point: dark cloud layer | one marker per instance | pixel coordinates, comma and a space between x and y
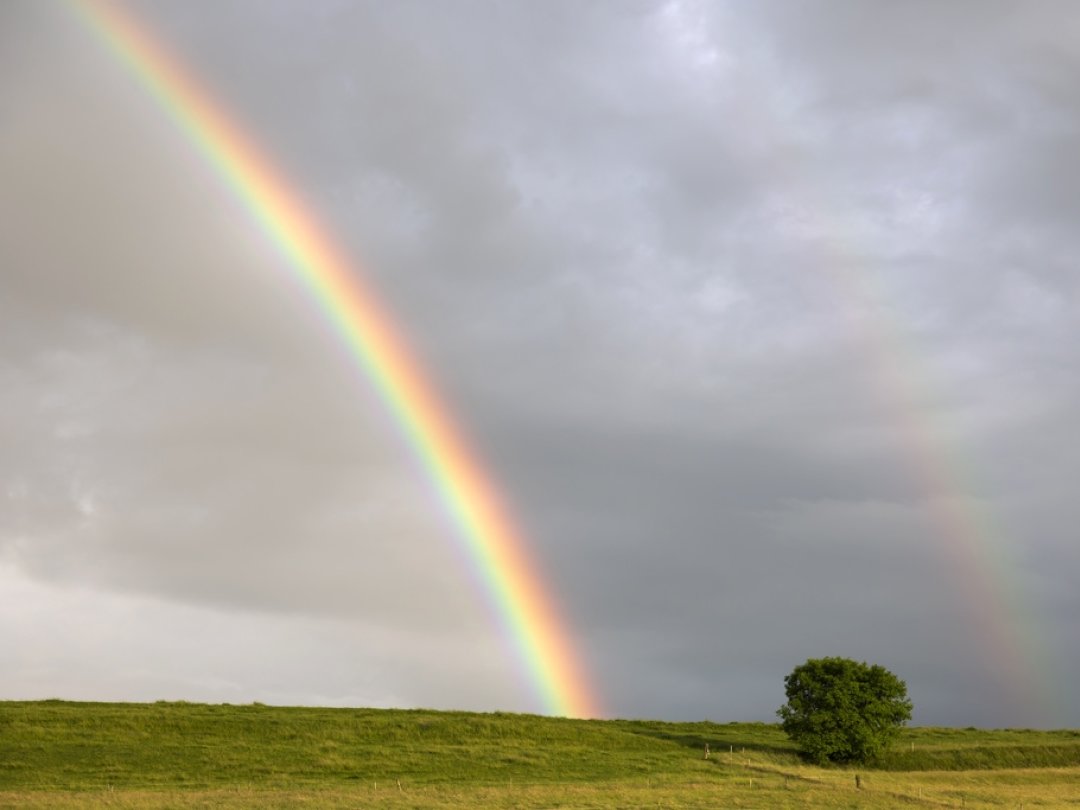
764, 317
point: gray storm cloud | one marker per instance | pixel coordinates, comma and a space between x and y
710, 287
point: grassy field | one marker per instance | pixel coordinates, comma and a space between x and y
61, 754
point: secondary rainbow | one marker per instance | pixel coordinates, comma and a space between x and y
973, 539
494, 545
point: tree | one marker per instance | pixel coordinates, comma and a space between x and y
839, 710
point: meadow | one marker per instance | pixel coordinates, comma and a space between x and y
182, 755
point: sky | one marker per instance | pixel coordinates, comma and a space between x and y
762, 319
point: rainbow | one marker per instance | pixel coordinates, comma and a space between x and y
493, 543
972, 539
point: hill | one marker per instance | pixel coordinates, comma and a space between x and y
64, 754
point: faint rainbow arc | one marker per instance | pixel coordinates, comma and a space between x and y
494, 546
974, 543
974, 547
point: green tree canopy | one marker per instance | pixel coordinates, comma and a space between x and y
839, 710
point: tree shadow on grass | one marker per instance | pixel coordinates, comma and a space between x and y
721, 740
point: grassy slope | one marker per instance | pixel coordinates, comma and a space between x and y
59, 754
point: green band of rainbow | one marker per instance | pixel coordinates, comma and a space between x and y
494, 546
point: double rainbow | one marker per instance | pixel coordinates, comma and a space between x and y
494, 545
971, 538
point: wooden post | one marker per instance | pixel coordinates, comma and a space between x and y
706, 750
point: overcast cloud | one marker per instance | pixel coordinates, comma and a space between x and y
763, 316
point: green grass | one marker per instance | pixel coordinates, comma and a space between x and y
948, 749
62, 754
